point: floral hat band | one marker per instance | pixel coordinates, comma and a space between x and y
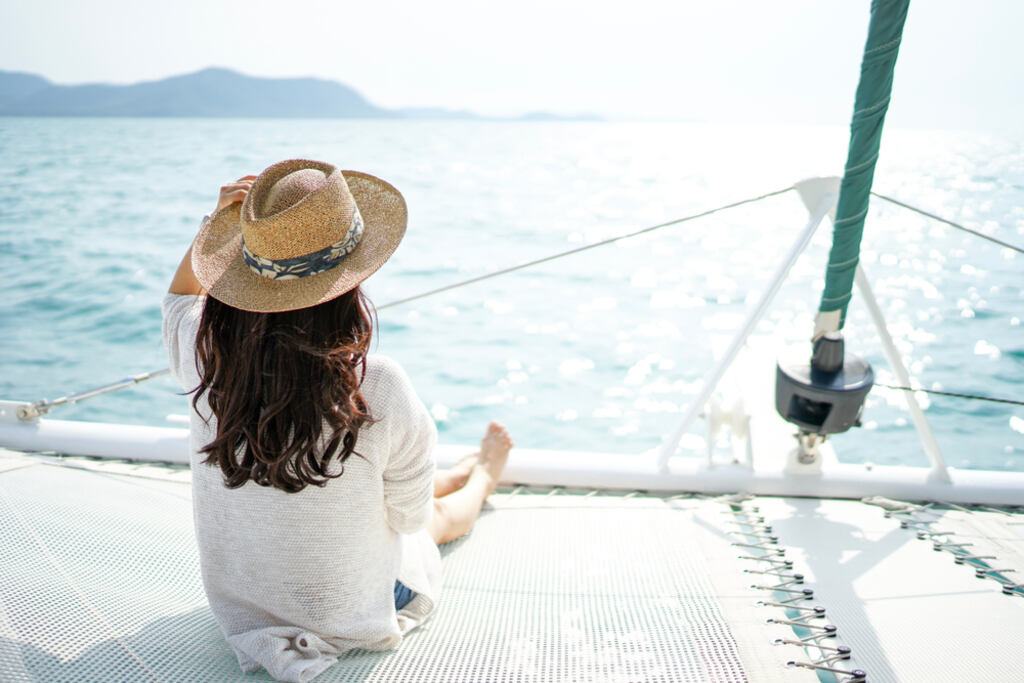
306, 232
307, 264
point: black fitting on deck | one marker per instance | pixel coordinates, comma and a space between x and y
826, 394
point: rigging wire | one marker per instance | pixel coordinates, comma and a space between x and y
976, 233
41, 407
954, 394
948, 222
592, 245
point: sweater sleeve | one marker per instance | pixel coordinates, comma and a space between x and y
409, 471
182, 313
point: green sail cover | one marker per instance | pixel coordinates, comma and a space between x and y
876, 75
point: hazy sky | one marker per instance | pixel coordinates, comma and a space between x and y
961, 64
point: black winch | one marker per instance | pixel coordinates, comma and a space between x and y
824, 396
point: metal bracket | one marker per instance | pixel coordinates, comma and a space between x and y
819, 194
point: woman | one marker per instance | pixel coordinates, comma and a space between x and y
317, 508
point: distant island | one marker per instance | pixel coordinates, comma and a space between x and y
213, 93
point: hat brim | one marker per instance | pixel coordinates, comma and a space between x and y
219, 267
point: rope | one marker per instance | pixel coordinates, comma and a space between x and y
786, 589
976, 397
950, 223
577, 250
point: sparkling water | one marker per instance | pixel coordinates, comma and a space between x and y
598, 351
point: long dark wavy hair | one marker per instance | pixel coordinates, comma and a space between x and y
277, 382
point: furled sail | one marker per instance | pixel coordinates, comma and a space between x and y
872, 101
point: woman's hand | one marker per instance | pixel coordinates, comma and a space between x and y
234, 192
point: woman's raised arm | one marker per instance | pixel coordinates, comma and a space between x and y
184, 281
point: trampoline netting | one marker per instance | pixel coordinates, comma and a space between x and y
101, 583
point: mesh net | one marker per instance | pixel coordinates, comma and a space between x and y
101, 583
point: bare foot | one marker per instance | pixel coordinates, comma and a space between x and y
455, 477
494, 448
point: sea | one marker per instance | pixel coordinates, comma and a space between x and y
598, 351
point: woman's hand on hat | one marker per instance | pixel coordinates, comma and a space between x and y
184, 281
234, 192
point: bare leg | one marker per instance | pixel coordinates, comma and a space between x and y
455, 477
455, 513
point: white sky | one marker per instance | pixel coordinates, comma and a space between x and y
961, 64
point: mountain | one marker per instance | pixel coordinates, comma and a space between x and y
15, 85
211, 92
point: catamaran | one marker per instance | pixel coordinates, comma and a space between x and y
772, 562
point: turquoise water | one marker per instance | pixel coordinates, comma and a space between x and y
599, 351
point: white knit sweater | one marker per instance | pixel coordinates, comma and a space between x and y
295, 579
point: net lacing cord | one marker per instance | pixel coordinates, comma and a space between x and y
920, 518
43, 406
786, 591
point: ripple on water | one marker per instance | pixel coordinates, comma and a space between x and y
617, 339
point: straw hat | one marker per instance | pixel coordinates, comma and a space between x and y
305, 234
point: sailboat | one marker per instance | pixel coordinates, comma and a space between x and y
771, 562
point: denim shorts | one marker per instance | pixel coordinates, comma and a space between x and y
403, 596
